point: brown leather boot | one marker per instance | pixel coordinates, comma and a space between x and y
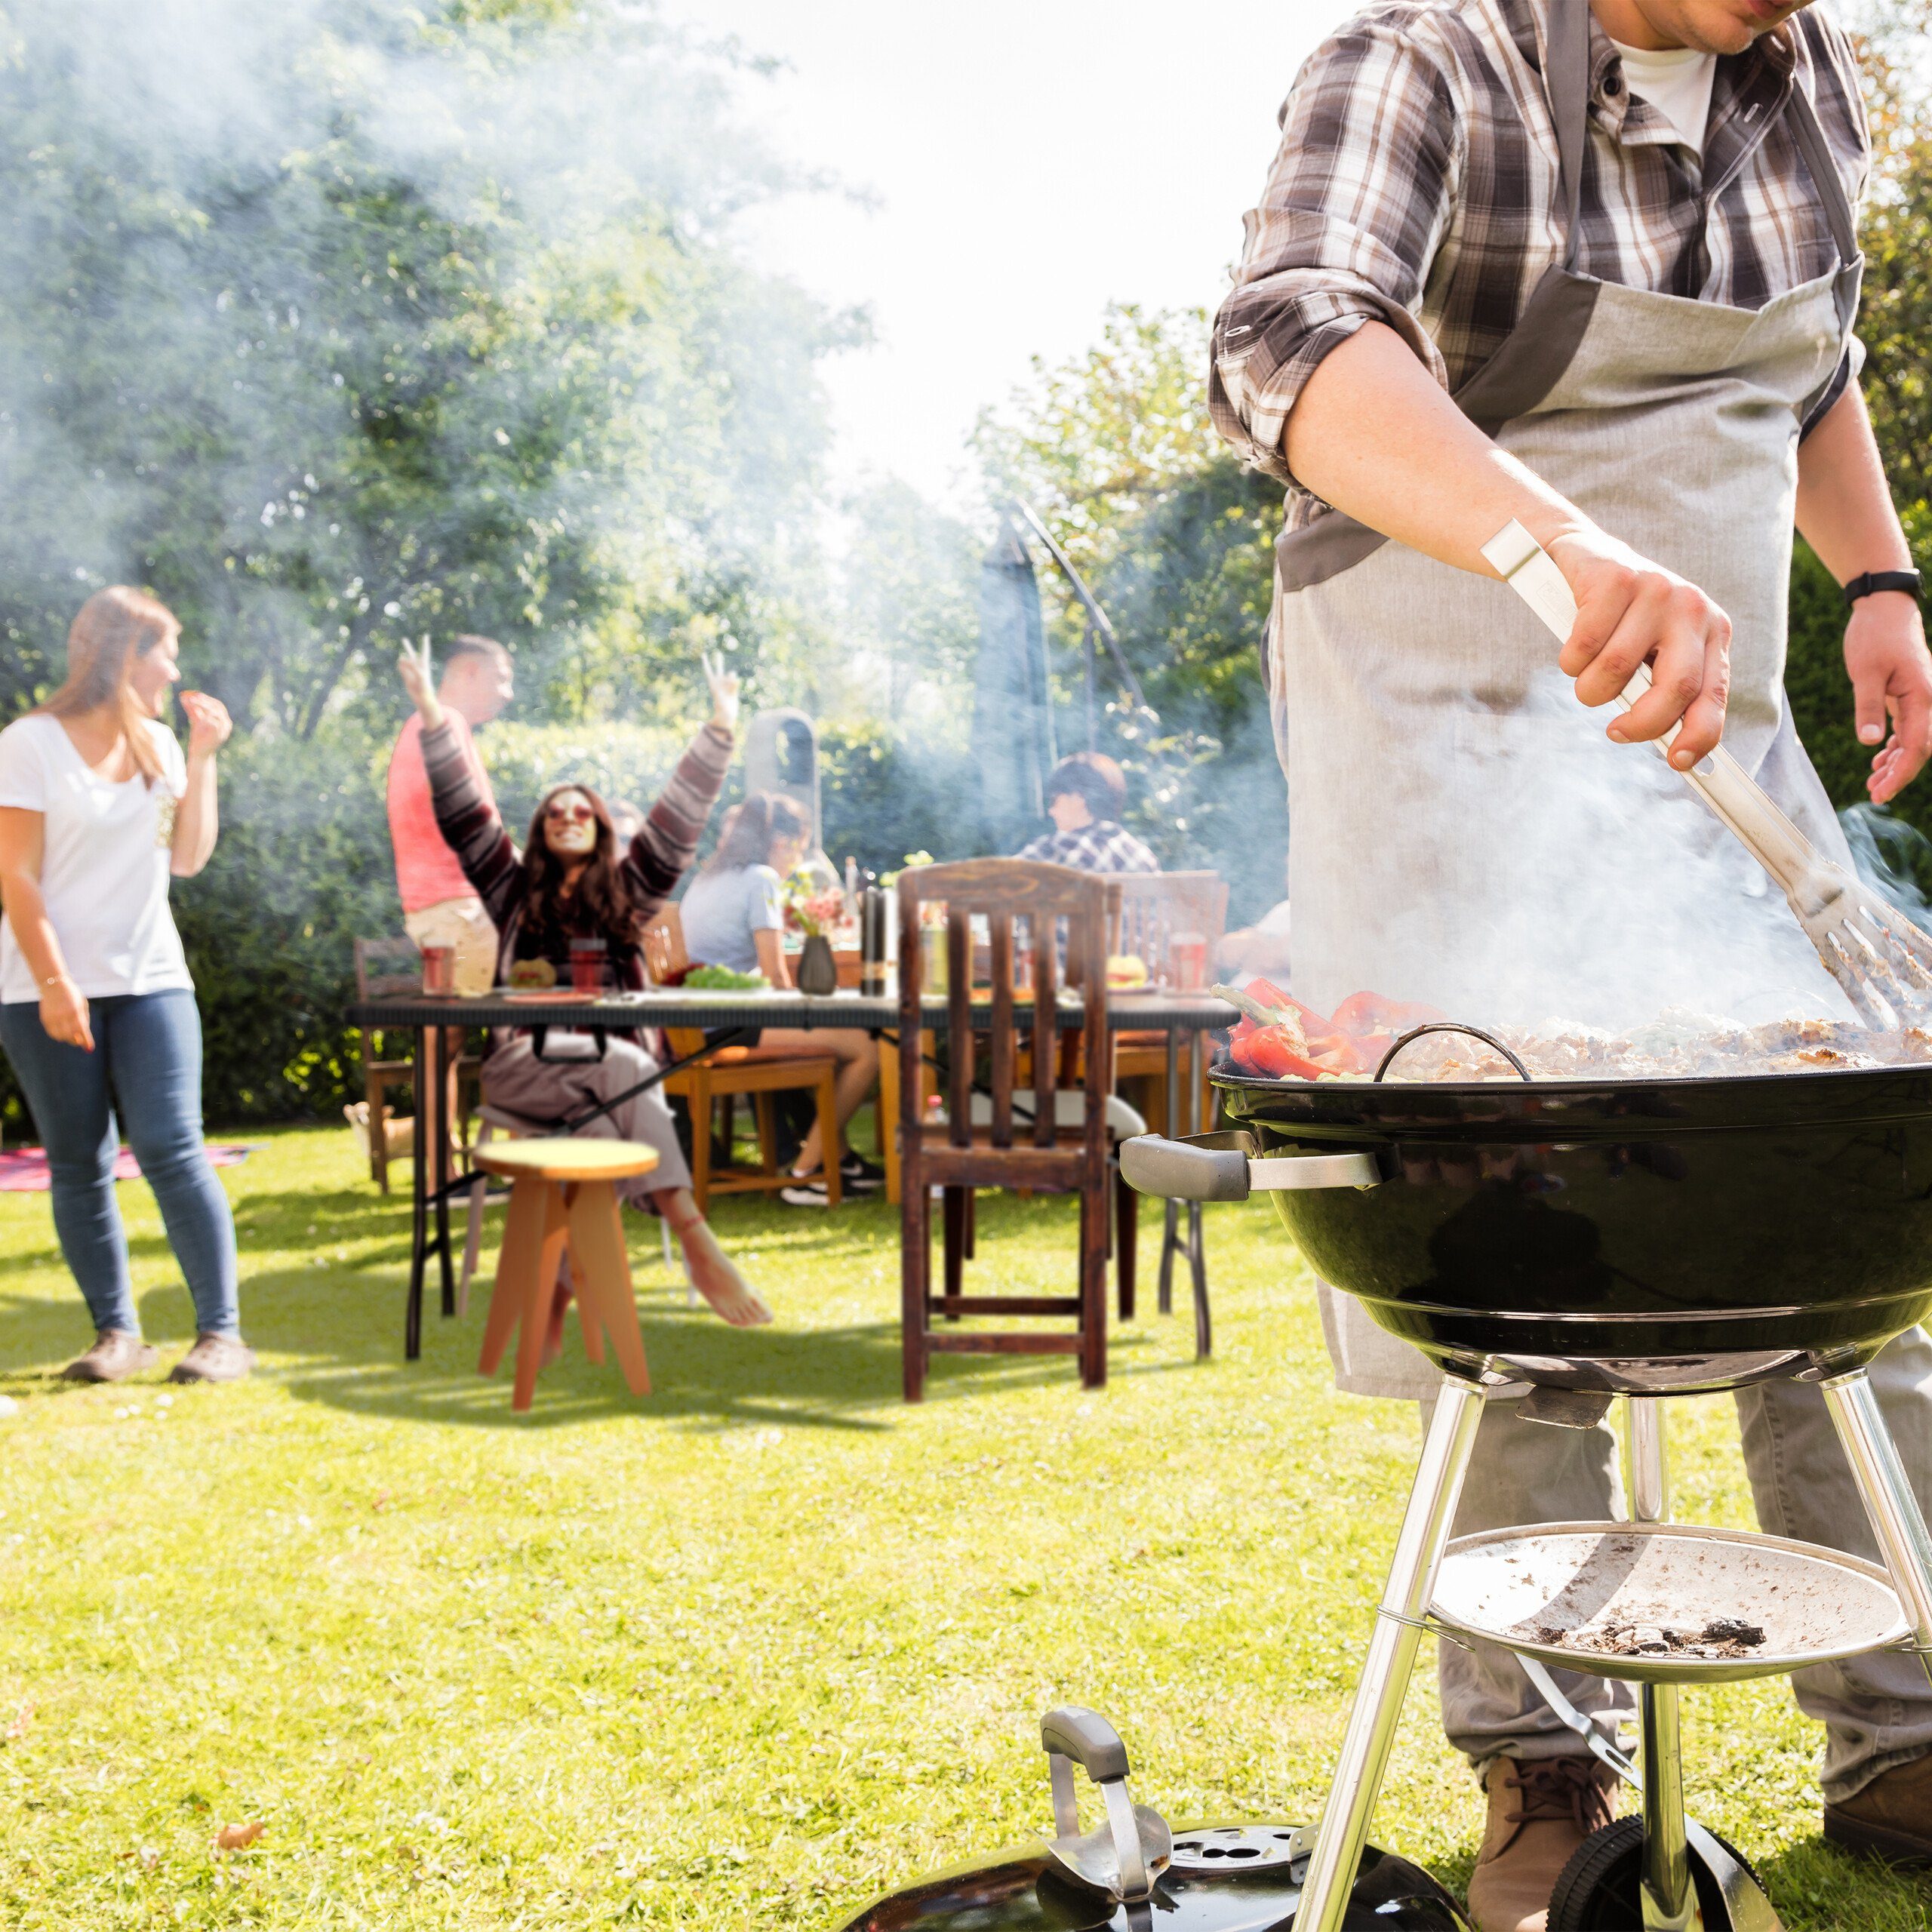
1890, 1818
1539, 1814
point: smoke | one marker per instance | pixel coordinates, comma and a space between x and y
1562, 880
341, 320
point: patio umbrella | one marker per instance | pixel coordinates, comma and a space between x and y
1013, 724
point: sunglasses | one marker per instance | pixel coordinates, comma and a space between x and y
576, 814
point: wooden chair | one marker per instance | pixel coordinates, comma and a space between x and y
564, 1206
730, 1072
1050, 1140
392, 969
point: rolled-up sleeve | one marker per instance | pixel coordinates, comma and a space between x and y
1355, 208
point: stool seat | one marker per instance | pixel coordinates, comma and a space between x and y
567, 1159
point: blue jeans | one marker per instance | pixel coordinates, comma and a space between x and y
146, 1066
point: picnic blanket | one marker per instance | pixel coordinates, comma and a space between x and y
24, 1170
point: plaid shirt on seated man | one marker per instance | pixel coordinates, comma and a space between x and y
1086, 794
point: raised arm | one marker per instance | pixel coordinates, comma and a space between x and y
197, 820
667, 842
466, 815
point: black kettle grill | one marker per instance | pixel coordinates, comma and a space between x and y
1600, 1240
1132, 1873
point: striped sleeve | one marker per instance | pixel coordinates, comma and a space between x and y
1355, 208
667, 841
467, 817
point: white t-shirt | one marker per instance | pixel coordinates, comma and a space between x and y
1677, 81
104, 864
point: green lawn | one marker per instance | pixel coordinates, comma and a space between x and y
737, 1655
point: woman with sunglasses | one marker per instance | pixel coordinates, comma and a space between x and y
572, 882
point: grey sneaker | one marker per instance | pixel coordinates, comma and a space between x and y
116, 1355
214, 1359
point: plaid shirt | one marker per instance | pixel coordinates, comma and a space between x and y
1101, 845
1417, 185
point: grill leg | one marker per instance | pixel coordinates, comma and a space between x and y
1391, 1658
1897, 1519
1669, 1896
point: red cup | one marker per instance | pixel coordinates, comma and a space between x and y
1187, 959
438, 969
587, 957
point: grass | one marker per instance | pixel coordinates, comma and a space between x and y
739, 1655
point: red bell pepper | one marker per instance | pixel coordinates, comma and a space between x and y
1270, 1051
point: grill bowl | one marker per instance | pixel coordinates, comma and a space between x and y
1645, 1236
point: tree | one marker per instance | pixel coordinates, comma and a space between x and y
1115, 450
353, 321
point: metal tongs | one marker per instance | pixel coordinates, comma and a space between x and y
1882, 960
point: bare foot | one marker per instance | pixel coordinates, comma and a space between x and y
716, 1278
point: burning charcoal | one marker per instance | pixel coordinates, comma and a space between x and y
1733, 1630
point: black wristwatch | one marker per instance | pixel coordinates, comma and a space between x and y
1863, 586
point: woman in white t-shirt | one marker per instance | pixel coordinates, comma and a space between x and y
98, 809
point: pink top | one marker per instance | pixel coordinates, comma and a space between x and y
427, 872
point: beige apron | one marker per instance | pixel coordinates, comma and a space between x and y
1460, 831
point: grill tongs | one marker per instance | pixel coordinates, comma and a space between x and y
1882, 960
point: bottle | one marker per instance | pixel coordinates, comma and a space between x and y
872, 941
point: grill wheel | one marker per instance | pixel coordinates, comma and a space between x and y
1600, 1889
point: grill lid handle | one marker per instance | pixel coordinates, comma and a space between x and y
1124, 1857
1225, 1166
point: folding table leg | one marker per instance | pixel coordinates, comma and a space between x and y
1392, 1659
422, 1072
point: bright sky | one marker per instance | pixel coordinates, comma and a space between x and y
1029, 162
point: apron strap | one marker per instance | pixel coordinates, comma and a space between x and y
1824, 170
1566, 80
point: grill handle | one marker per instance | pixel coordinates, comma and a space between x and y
1226, 1167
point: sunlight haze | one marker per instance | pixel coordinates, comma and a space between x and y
1026, 164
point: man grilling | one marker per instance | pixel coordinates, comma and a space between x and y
1590, 265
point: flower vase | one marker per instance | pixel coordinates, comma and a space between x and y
818, 971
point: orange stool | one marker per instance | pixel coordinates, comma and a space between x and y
562, 1202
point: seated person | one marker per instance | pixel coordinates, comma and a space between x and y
571, 881
1086, 794
733, 916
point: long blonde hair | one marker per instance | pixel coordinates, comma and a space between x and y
112, 628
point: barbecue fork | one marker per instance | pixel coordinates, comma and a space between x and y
1882, 960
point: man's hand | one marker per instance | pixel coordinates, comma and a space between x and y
724, 690
1631, 611
209, 724
1891, 680
419, 680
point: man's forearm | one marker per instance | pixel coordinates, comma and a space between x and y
1373, 434
1845, 511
